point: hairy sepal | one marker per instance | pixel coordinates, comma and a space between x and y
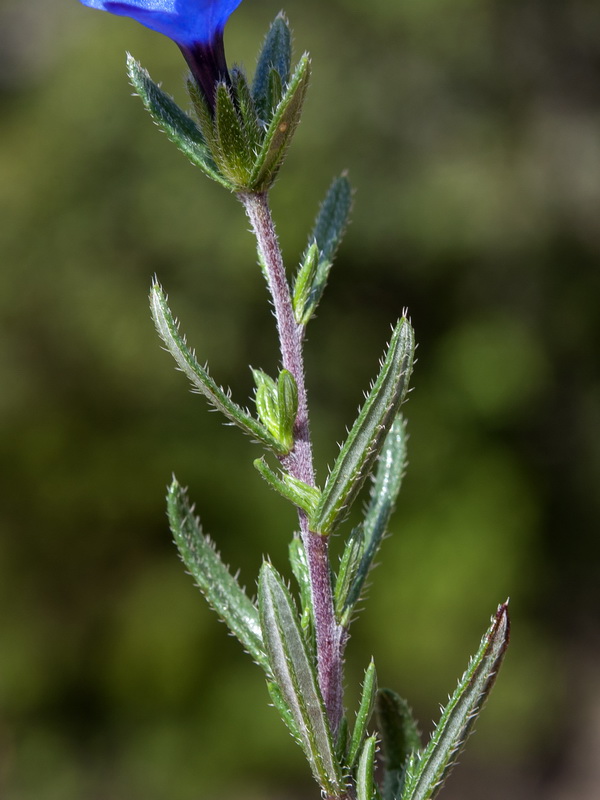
281, 129
247, 109
275, 57
172, 120
366, 438
295, 676
426, 772
234, 146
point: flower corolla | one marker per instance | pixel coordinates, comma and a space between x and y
186, 22
196, 26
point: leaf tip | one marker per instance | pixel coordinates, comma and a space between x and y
501, 626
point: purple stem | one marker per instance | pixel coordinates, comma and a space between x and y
299, 463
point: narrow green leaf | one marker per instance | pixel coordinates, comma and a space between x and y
400, 737
427, 772
350, 562
368, 433
299, 564
297, 492
168, 331
367, 701
236, 156
327, 234
212, 577
365, 781
296, 678
275, 56
342, 741
332, 218
284, 710
281, 129
303, 285
178, 126
386, 485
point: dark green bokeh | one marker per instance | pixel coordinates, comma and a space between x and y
471, 130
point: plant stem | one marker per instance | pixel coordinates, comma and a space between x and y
299, 463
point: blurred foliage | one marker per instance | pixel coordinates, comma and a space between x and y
471, 130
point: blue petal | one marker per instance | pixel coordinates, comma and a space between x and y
187, 22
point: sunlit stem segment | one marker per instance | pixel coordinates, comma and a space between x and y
299, 463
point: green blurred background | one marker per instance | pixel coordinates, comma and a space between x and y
471, 130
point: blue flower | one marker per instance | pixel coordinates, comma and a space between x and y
196, 26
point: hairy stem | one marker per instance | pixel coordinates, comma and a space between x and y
299, 463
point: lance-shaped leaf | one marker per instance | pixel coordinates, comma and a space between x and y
295, 675
327, 234
275, 56
294, 490
365, 709
400, 737
281, 128
332, 219
284, 710
427, 772
168, 331
212, 577
341, 745
365, 780
386, 485
304, 283
368, 433
172, 120
299, 564
350, 562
